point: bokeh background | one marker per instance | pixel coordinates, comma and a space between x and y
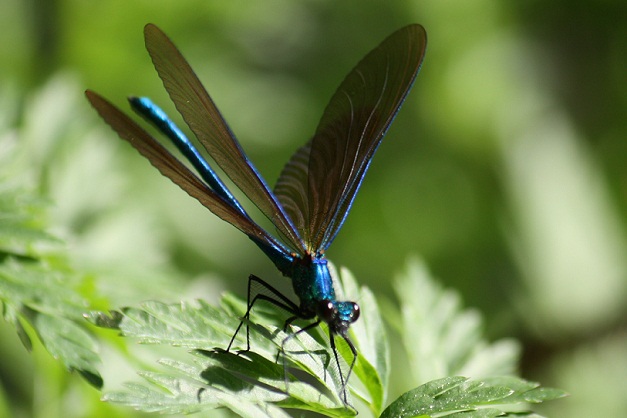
506, 170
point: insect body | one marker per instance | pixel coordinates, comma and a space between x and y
315, 190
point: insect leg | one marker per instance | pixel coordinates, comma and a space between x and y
275, 297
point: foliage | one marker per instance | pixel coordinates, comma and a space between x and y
38, 289
254, 384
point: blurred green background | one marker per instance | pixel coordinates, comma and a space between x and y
506, 169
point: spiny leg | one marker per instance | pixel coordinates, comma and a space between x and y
286, 324
279, 300
337, 361
289, 337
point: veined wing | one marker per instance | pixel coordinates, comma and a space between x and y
203, 118
319, 183
176, 171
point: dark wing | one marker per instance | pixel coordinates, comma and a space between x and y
203, 118
319, 183
176, 171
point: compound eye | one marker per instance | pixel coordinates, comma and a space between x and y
355, 313
327, 311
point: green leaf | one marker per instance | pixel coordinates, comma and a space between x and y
209, 377
258, 376
21, 222
37, 289
178, 395
71, 344
37, 295
460, 397
524, 391
440, 337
